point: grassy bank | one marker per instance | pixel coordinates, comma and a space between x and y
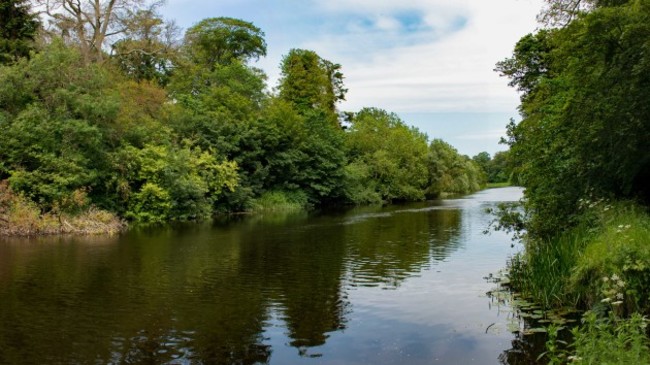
280, 201
504, 184
602, 267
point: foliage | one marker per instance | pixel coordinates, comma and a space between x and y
387, 158
147, 50
451, 173
18, 30
497, 169
585, 119
611, 340
273, 201
304, 152
309, 82
51, 140
160, 183
179, 132
220, 41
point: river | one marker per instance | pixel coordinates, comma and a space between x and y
402, 284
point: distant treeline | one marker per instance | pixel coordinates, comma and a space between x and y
152, 128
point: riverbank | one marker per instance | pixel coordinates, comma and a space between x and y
601, 267
20, 216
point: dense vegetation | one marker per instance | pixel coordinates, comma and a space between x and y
583, 147
107, 110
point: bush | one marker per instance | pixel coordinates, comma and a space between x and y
611, 341
281, 201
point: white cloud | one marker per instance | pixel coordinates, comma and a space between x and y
439, 69
410, 56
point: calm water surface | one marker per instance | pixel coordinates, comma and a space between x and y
393, 285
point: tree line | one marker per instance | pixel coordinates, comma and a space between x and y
104, 105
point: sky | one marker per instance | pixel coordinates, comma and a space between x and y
429, 61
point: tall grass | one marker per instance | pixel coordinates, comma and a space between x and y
274, 201
569, 269
603, 267
621, 249
543, 272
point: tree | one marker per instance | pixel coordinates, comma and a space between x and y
220, 41
309, 82
148, 50
89, 23
450, 172
562, 12
585, 129
483, 161
18, 30
529, 64
54, 112
387, 158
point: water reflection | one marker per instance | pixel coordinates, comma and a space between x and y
255, 290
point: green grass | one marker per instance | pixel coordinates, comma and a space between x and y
498, 185
275, 201
574, 267
611, 340
543, 272
621, 248
602, 266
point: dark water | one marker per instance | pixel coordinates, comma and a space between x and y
394, 285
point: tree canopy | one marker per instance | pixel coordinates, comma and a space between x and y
161, 129
18, 30
586, 120
220, 41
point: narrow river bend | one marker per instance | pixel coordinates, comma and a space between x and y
393, 285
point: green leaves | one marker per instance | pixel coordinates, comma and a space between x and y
395, 156
585, 125
17, 30
309, 82
451, 173
221, 41
161, 183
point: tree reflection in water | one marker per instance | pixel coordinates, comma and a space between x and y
207, 293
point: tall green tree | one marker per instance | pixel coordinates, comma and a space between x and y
18, 29
309, 82
220, 41
450, 172
585, 127
387, 159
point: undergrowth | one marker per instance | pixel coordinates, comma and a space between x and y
19, 216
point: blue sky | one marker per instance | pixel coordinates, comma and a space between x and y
429, 61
